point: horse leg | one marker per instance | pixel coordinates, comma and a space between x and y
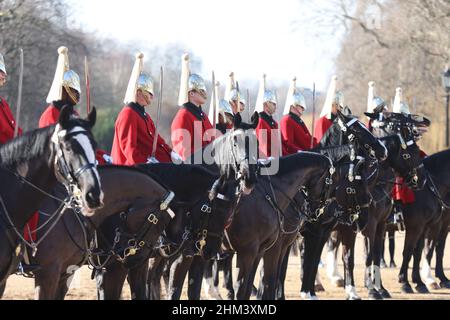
440, 248
348, 257
370, 271
227, 265
271, 266
420, 286
410, 243
312, 238
210, 288
332, 266
280, 294
196, 271
155, 271
46, 282
425, 271
383, 263
378, 244
2, 289
391, 236
137, 279
178, 272
110, 281
245, 264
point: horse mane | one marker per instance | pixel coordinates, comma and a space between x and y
170, 175
29, 146
309, 158
335, 153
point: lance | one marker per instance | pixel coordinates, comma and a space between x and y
19, 95
214, 100
248, 106
314, 115
88, 85
158, 114
238, 102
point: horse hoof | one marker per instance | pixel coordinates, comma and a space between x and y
445, 284
421, 288
375, 295
406, 288
383, 264
353, 298
433, 286
385, 294
338, 283
319, 288
392, 265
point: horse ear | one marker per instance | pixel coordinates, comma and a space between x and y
255, 120
64, 117
371, 115
92, 117
237, 120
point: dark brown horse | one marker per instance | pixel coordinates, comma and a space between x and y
31, 165
128, 192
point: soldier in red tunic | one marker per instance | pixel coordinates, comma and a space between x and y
294, 132
191, 129
7, 122
267, 131
134, 130
333, 103
65, 91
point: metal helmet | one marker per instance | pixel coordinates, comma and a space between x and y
235, 95
338, 99
223, 108
64, 77
378, 105
71, 80
269, 96
2, 64
196, 83
299, 100
145, 83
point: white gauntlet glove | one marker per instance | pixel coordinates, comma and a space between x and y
176, 158
152, 160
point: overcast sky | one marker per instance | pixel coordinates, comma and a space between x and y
247, 37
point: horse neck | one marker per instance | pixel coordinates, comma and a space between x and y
21, 199
123, 188
438, 166
297, 171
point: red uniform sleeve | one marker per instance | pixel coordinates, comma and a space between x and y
127, 135
181, 127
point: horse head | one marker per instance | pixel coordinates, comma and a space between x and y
359, 134
74, 159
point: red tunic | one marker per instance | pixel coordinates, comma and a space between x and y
401, 190
133, 138
322, 126
7, 122
295, 135
264, 134
185, 139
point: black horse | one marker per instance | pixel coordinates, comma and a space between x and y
203, 211
293, 218
422, 215
435, 239
31, 165
404, 160
130, 194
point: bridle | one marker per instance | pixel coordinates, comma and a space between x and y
411, 177
63, 170
135, 242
